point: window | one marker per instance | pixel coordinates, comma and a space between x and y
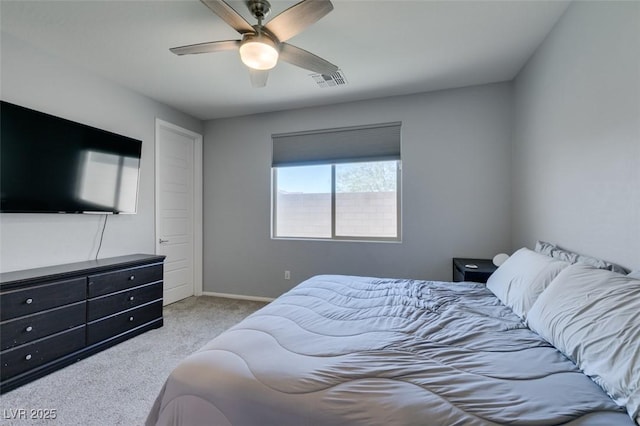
337, 184
302, 207
366, 199
337, 201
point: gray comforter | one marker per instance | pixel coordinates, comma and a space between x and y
340, 350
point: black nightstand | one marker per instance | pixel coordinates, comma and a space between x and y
463, 269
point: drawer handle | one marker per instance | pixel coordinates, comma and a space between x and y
130, 319
28, 329
29, 301
132, 277
28, 357
131, 298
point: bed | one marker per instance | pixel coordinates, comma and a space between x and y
338, 350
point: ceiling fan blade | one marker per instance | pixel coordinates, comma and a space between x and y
300, 57
258, 77
209, 47
298, 17
229, 15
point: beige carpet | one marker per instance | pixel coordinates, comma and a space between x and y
118, 386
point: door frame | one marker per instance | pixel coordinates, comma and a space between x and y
197, 198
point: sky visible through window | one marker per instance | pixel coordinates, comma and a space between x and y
305, 179
358, 177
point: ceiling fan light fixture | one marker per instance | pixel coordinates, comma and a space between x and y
262, 46
258, 52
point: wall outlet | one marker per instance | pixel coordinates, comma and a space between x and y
287, 275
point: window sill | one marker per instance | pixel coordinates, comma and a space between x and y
341, 240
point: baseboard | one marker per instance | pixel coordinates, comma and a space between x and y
239, 296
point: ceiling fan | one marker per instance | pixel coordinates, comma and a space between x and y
263, 44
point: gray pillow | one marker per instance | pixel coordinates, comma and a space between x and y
591, 315
545, 248
522, 277
560, 253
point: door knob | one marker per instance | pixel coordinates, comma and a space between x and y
163, 241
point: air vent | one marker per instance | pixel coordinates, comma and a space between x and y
330, 80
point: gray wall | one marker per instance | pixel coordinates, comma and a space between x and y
576, 152
36, 80
456, 191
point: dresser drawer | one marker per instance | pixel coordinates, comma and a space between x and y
35, 354
32, 327
17, 303
117, 324
123, 279
121, 301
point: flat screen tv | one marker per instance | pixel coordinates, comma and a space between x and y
52, 165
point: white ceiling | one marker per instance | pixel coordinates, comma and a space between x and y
384, 48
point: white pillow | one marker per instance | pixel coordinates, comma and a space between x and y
520, 279
635, 274
593, 317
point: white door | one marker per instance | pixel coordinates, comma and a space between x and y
179, 209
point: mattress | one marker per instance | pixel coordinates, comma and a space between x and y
338, 350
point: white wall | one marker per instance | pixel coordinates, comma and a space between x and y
456, 191
576, 153
36, 80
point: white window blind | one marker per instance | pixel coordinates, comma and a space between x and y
376, 142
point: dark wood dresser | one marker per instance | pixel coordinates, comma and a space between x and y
53, 316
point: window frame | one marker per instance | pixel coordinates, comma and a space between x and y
334, 237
